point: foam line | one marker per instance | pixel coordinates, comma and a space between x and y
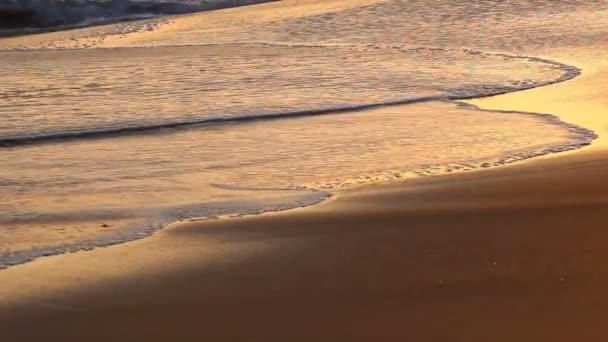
568, 72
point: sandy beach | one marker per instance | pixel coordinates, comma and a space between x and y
509, 253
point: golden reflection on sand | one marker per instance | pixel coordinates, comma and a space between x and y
582, 101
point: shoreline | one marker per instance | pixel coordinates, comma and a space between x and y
475, 102
584, 137
519, 250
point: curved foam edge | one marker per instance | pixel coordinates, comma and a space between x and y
581, 137
568, 72
194, 212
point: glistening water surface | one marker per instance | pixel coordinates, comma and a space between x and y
263, 108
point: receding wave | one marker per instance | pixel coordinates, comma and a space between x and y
139, 222
11, 141
471, 91
85, 193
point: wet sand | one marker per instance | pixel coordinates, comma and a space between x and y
515, 253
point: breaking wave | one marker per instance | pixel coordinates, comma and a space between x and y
22, 16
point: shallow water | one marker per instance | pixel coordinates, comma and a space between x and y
139, 87
250, 112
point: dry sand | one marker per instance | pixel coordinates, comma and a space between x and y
515, 253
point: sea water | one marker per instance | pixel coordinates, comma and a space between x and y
108, 133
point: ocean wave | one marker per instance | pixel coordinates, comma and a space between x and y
295, 197
96, 133
25, 16
164, 216
460, 92
303, 196
568, 72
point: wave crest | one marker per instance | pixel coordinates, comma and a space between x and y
60, 13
